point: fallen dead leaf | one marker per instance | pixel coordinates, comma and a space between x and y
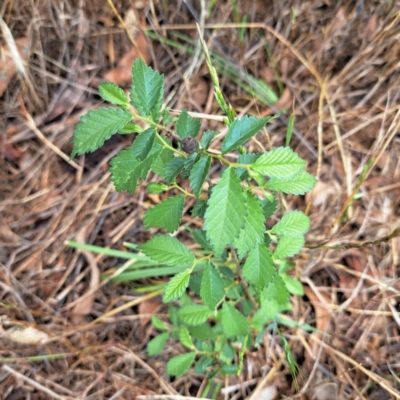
327, 391
284, 66
27, 335
121, 74
372, 27
155, 198
147, 307
267, 73
285, 101
85, 306
199, 91
268, 393
322, 314
321, 193
8, 67
7, 235
9, 151
337, 22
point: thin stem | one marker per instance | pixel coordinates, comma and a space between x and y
167, 146
186, 193
232, 285
149, 121
224, 160
216, 156
244, 284
160, 127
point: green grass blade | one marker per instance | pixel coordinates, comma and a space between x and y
154, 272
107, 252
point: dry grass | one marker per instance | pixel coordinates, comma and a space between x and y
339, 65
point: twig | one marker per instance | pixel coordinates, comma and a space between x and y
31, 124
167, 397
129, 353
376, 378
36, 385
346, 246
128, 33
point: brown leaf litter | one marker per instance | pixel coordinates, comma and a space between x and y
338, 67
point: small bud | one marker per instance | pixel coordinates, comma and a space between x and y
189, 145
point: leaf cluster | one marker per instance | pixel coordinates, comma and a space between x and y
239, 276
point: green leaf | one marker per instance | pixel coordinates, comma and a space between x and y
158, 323
269, 205
289, 131
130, 127
276, 291
194, 314
241, 130
96, 127
246, 158
177, 286
253, 229
167, 250
226, 211
284, 265
202, 332
202, 365
281, 162
195, 282
234, 323
293, 285
147, 90
178, 365
247, 307
187, 125
126, 170
293, 366
288, 246
294, 223
188, 164
161, 161
212, 288
300, 183
147, 163
166, 117
226, 353
275, 297
259, 268
200, 237
155, 188
156, 344
207, 138
185, 339
173, 168
166, 214
227, 274
199, 174
233, 292
230, 369
143, 144
112, 93
173, 315
199, 209
259, 319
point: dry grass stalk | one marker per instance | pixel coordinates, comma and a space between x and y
340, 65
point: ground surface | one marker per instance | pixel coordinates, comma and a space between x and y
334, 64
